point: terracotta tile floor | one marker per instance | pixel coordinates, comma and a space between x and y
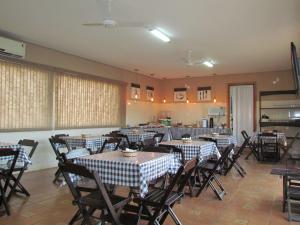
253, 200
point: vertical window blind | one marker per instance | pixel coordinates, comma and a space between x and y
25, 97
34, 98
82, 102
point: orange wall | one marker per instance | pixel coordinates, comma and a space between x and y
219, 84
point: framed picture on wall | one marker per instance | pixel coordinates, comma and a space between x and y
204, 94
179, 94
150, 93
135, 91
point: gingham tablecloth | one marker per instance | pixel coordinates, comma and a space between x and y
222, 140
136, 172
139, 136
281, 138
22, 154
200, 149
90, 142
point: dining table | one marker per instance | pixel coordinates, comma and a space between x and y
138, 135
92, 142
222, 140
281, 138
23, 156
134, 172
195, 148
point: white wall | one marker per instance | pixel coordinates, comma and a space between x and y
44, 156
141, 112
190, 113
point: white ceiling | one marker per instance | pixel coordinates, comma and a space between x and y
241, 36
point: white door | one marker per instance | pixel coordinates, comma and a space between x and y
241, 110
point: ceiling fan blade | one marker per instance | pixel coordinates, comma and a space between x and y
93, 24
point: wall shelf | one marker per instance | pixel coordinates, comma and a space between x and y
280, 108
286, 123
280, 123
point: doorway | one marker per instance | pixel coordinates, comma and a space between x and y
242, 109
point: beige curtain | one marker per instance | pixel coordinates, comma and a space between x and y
37, 98
25, 97
86, 102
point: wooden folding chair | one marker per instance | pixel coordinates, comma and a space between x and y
233, 160
6, 174
20, 169
159, 202
251, 145
209, 174
110, 205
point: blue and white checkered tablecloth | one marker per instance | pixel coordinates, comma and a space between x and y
200, 149
281, 138
114, 168
90, 142
139, 136
222, 140
22, 154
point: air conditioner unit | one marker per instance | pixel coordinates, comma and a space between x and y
12, 48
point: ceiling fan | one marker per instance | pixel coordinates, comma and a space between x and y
108, 21
189, 61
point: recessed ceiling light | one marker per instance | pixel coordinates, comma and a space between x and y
208, 64
160, 35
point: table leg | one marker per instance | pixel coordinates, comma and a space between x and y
284, 194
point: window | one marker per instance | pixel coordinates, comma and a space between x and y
25, 97
39, 98
84, 102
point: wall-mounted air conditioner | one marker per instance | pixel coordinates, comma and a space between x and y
12, 48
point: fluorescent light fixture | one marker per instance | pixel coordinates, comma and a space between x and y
208, 64
160, 35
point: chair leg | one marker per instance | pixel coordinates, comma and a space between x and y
3, 198
18, 184
86, 218
75, 217
289, 210
221, 192
57, 174
174, 217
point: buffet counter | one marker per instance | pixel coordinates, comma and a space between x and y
176, 132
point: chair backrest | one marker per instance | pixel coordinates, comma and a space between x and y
54, 144
160, 149
68, 169
29, 143
244, 134
123, 136
267, 138
158, 137
10, 153
113, 140
177, 184
61, 135
179, 152
185, 136
241, 148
